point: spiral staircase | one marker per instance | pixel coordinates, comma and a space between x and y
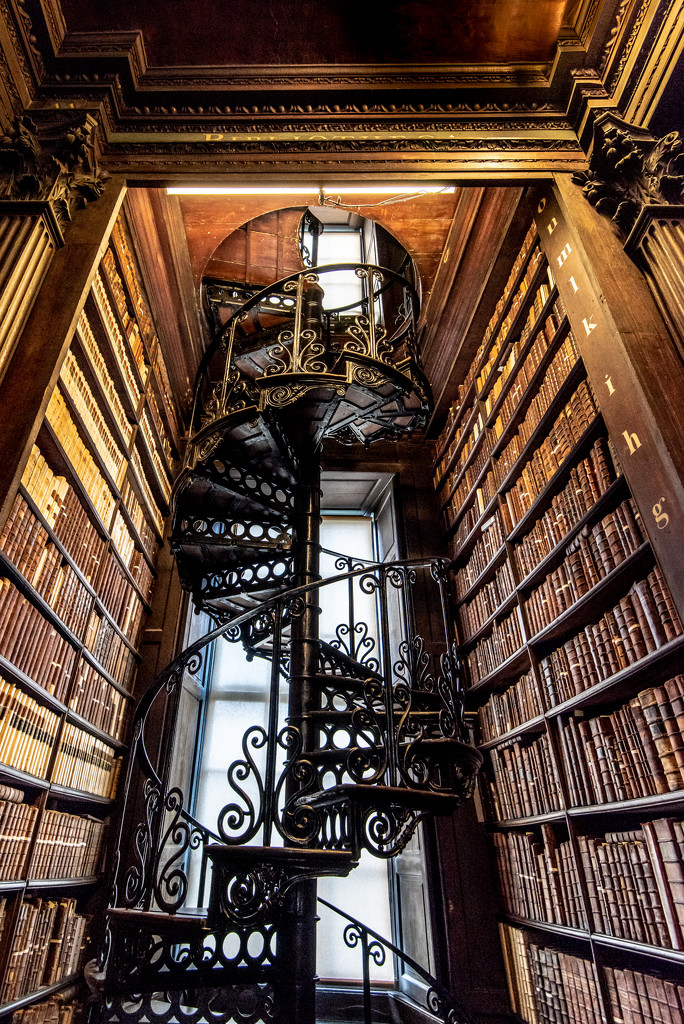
371, 741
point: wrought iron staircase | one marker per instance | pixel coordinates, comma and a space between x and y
371, 742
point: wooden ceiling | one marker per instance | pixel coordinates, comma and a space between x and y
278, 32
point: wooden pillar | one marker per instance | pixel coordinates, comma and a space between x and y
631, 362
33, 370
27, 245
656, 244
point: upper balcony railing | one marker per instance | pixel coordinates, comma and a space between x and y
309, 324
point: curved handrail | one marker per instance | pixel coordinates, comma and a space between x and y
279, 286
388, 746
440, 1001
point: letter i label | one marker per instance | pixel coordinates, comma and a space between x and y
609, 385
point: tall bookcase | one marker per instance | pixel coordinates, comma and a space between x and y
77, 569
572, 645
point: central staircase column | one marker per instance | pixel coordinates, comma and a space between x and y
297, 935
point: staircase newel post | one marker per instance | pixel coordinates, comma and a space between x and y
297, 934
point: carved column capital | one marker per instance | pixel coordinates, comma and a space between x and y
629, 170
48, 164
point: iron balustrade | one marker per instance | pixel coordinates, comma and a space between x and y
286, 330
374, 948
388, 724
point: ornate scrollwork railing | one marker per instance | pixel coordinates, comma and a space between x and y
387, 714
374, 949
291, 330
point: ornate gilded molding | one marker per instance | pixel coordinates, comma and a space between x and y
50, 163
629, 170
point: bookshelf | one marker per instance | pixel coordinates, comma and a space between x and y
572, 646
77, 570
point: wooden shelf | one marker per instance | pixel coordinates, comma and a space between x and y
610, 498
51, 447
504, 608
509, 670
61, 883
659, 803
78, 795
652, 669
489, 570
552, 347
563, 930
574, 377
558, 479
533, 725
38, 995
601, 594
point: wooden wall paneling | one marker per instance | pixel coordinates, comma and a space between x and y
162, 249
630, 359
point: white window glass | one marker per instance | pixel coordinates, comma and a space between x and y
364, 894
342, 287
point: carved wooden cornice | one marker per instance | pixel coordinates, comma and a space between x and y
629, 170
49, 164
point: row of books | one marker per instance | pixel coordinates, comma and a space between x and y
503, 641
637, 998
17, 821
59, 505
95, 699
119, 598
474, 613
635, 751
89, 345
575, 417
589, 479
538, 877
471, 473
78, 454
507, 710
159, 466
27, 731
555, 376
128, 322
540, 345
542, 342
447, 481
131, 275
141, 479
31, 643
63, 1007
145, 532
48, 945
28, 546
491, 538
635, 882
67, 846
550, 987
116, 339
110, 649
594, 553
640, 623
523, 779
73, 380
463, 388
85, 763
517, 301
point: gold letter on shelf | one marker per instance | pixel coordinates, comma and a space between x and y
632, 440
661, 518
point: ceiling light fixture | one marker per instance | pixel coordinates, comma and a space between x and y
307, 190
